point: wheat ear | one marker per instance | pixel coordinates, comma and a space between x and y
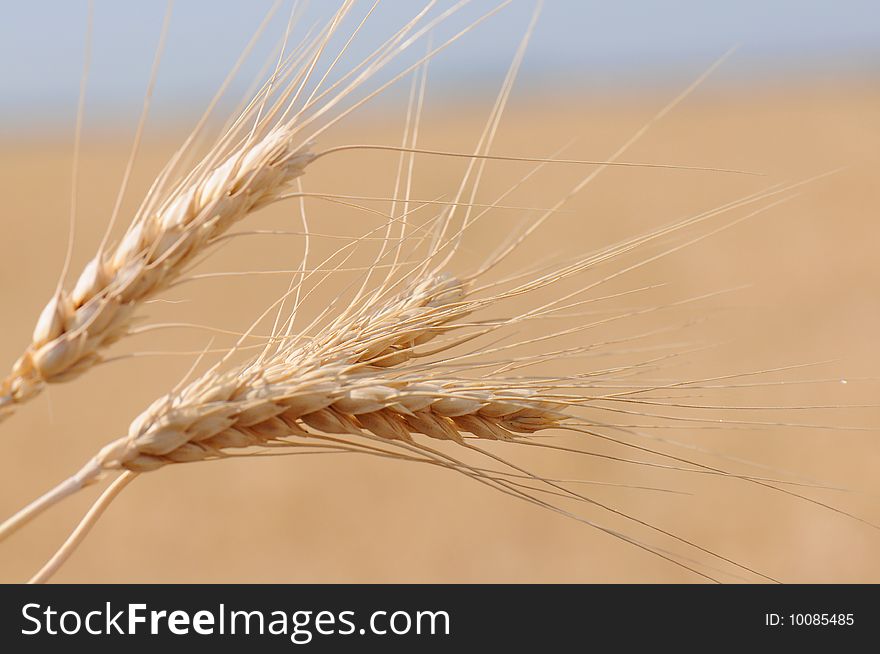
356, 390
76, 327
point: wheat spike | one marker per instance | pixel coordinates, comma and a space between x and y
353, 381
76, 326
357, 381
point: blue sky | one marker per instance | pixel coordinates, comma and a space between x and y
589, 45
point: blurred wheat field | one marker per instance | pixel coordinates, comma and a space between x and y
810, 266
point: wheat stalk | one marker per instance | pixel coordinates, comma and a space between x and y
358, 387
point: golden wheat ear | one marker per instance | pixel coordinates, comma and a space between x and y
77, 325
358, 388
351, 390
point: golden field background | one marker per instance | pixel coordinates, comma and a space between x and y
812, 273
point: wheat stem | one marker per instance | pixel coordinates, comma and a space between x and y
86, 476
82, 529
